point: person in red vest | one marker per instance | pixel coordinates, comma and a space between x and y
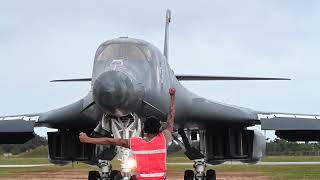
150, 153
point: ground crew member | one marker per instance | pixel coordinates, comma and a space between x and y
150, 153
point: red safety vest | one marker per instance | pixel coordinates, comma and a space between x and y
150, 157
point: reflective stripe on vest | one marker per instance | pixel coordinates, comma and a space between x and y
150, 151
152, 175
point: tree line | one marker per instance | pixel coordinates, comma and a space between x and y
274, 147
20, 148
283, 147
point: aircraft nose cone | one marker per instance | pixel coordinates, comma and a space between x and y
113, 90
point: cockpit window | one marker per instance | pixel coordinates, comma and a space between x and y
124, 51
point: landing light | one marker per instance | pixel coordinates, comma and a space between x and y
130, 163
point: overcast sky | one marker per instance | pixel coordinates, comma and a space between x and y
45, 40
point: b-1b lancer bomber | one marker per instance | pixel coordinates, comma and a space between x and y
130, 81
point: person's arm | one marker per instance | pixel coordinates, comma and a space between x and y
104, 140
172, 109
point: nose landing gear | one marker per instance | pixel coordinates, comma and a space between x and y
105, 167
122, 127
211, 174
199, 166
199, 173
106, 172
93, 175
197, 157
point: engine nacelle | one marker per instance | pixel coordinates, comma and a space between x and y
65, 147
223, 144
258, 147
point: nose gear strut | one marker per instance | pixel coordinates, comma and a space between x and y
121, 127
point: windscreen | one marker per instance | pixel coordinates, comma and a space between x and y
125, 51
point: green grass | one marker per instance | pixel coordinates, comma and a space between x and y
38, 155
276, 172
22, 160
181, 158
177, 157
27, 159
11, 172
41, 151
290, 158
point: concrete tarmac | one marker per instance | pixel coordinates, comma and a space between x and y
259, 163
226, 163
24, 165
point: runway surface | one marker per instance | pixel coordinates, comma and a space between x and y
81, 174
226, 163
24, 165
259, 163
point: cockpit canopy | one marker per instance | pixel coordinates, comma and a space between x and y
124, 50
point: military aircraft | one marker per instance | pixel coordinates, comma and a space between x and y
130, 82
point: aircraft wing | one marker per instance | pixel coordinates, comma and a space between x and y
185, 77
188, 77
292, 127
289, 126
77, 116
17, 129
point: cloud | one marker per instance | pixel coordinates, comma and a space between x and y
42, 40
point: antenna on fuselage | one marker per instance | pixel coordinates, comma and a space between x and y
166, 37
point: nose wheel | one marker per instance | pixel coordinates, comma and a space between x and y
106, 172
199, 173
188, 175
93, 175
210, 175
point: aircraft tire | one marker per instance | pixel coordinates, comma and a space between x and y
93, 175
188, 175
114, 173
211, 174
118, 177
